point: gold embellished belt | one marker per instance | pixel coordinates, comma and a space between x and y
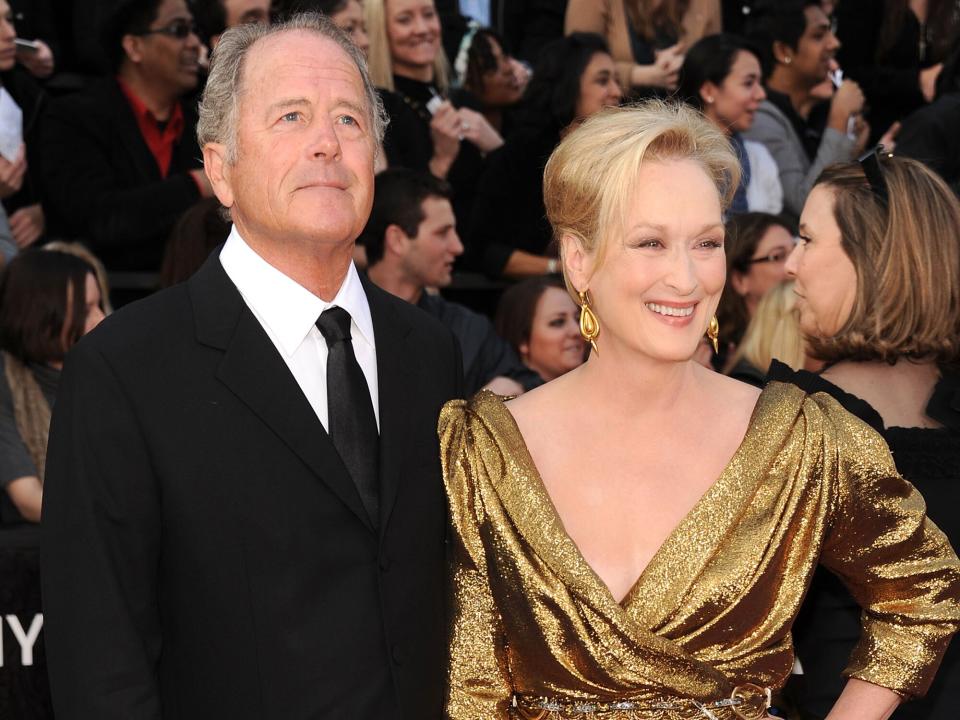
746, 702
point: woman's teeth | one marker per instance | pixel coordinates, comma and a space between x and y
671, 311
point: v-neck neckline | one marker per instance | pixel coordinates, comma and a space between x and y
554, 526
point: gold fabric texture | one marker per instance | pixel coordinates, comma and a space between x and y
810, 483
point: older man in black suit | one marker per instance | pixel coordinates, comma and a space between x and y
243, 513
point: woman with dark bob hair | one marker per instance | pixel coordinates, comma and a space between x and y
508, 234
540, 321
721, 77
877, 275
48, 300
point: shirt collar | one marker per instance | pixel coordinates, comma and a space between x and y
285, 306
173, 125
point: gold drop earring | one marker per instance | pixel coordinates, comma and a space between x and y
713, 332
589, 325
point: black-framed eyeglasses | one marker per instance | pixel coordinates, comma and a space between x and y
870, 162
180, 29
778, 255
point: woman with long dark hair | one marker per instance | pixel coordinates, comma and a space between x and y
508, 234
48, 300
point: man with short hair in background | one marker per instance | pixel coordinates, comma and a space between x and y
411, 243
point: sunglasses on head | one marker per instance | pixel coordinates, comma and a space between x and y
870, 162
180, 29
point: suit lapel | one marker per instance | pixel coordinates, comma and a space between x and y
254, 371
395, 391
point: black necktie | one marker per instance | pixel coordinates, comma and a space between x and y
352, 423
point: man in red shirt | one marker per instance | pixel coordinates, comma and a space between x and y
121, 162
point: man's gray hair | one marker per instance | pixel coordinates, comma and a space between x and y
219, 107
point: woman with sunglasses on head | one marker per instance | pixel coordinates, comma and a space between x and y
634, 538
721, 78
877, 273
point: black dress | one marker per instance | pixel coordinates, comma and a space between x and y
829, 622
508, 211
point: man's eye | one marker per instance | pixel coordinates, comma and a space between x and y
291, 116
347, 120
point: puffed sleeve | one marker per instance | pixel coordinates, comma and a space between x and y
896, 563
478, 684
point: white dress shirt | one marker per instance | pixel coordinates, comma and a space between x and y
288, 313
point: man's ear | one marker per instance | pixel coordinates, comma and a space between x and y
395, 240
133, 47
782, 52
218, 172
578, 263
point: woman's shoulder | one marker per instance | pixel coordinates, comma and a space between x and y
813, 383
483, 418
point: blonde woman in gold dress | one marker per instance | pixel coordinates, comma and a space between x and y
633, 539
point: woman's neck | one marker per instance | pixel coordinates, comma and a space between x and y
649, 387
420, 73
724, 127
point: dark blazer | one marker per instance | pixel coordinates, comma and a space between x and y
102, 185
205, 553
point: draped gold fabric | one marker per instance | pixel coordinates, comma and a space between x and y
810, 483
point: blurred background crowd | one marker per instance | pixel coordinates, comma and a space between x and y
104, 201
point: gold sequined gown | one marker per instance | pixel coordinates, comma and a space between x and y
536, 634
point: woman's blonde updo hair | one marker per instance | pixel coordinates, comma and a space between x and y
592, 173
907, 260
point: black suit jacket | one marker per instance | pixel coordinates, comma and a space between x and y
102, 185
205, 553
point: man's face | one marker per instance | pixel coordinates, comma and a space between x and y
170, 62
429, 257
816, 47
303, 171
240, 12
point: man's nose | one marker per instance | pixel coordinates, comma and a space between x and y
456, 245
324, 141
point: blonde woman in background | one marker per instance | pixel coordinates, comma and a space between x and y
426, 132
634, 537
406, 58
773, 333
